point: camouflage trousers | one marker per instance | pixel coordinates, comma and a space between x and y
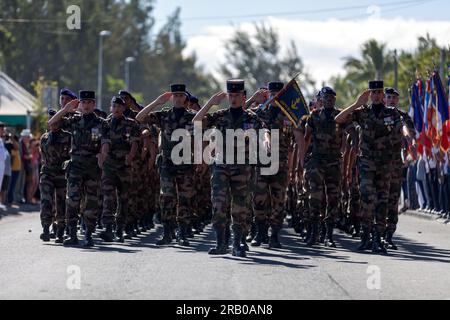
138, 203
83, 180
324, 183
202, 200
394, 194
176, 195
354, 203
153, 192
53, 193
306, 190
269, 197
115, 189
230, 197
374, 186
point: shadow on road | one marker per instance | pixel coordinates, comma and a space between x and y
19, 210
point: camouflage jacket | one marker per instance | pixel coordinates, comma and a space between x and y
380, 135
120, 135
55, 150
169, 120
223, 120
326, 135
274, 118
86, 133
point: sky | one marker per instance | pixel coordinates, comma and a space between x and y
324, 31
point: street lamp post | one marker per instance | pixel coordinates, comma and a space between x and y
128, 60
102, 34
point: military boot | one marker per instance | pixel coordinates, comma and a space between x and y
389, 242
183, 235
329, 239
73, 239
274, 241
60, 234
119, 234
107, 235
314, 226
265, 234
258, 239
238, 250
323, 232
129, 231
356, 228
252, 233
167, 237
88, 240
45, 235
365, 240
227, 236
244, 242
377, 245
221, 247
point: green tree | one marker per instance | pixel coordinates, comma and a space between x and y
257, 59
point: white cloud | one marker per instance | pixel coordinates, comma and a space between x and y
323, 44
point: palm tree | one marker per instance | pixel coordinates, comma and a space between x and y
375, 61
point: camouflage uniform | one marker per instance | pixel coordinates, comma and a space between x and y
229, 182
396, 178
176, 181
270, 191
379, 136
116, 176
55, 150
324, 168
83, 174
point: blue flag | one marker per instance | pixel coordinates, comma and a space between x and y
291, 101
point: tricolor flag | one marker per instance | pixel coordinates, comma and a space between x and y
442, 115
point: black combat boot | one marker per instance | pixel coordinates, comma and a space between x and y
119, 234
323, 232
252, 233
238, 251
45, 235
330, 242
73, 239
107, 235
143, 225
244, 242
60, 234
183, 235
389, 242
88, 240
308, 228
129, 231
258, 239
136, 229
167, 237
265, 235
356, 228
227, 236
221, 247
365, 240
377, 245
314, 226
189, 233
274, 242
54, 229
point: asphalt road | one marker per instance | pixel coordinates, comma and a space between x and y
30, 269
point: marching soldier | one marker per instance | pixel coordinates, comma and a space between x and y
176, 180
229, 182
119, 146
55, 150
83, 172
392, 99
380, 127
325, 165
270, 190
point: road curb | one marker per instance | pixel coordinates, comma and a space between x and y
425, 216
